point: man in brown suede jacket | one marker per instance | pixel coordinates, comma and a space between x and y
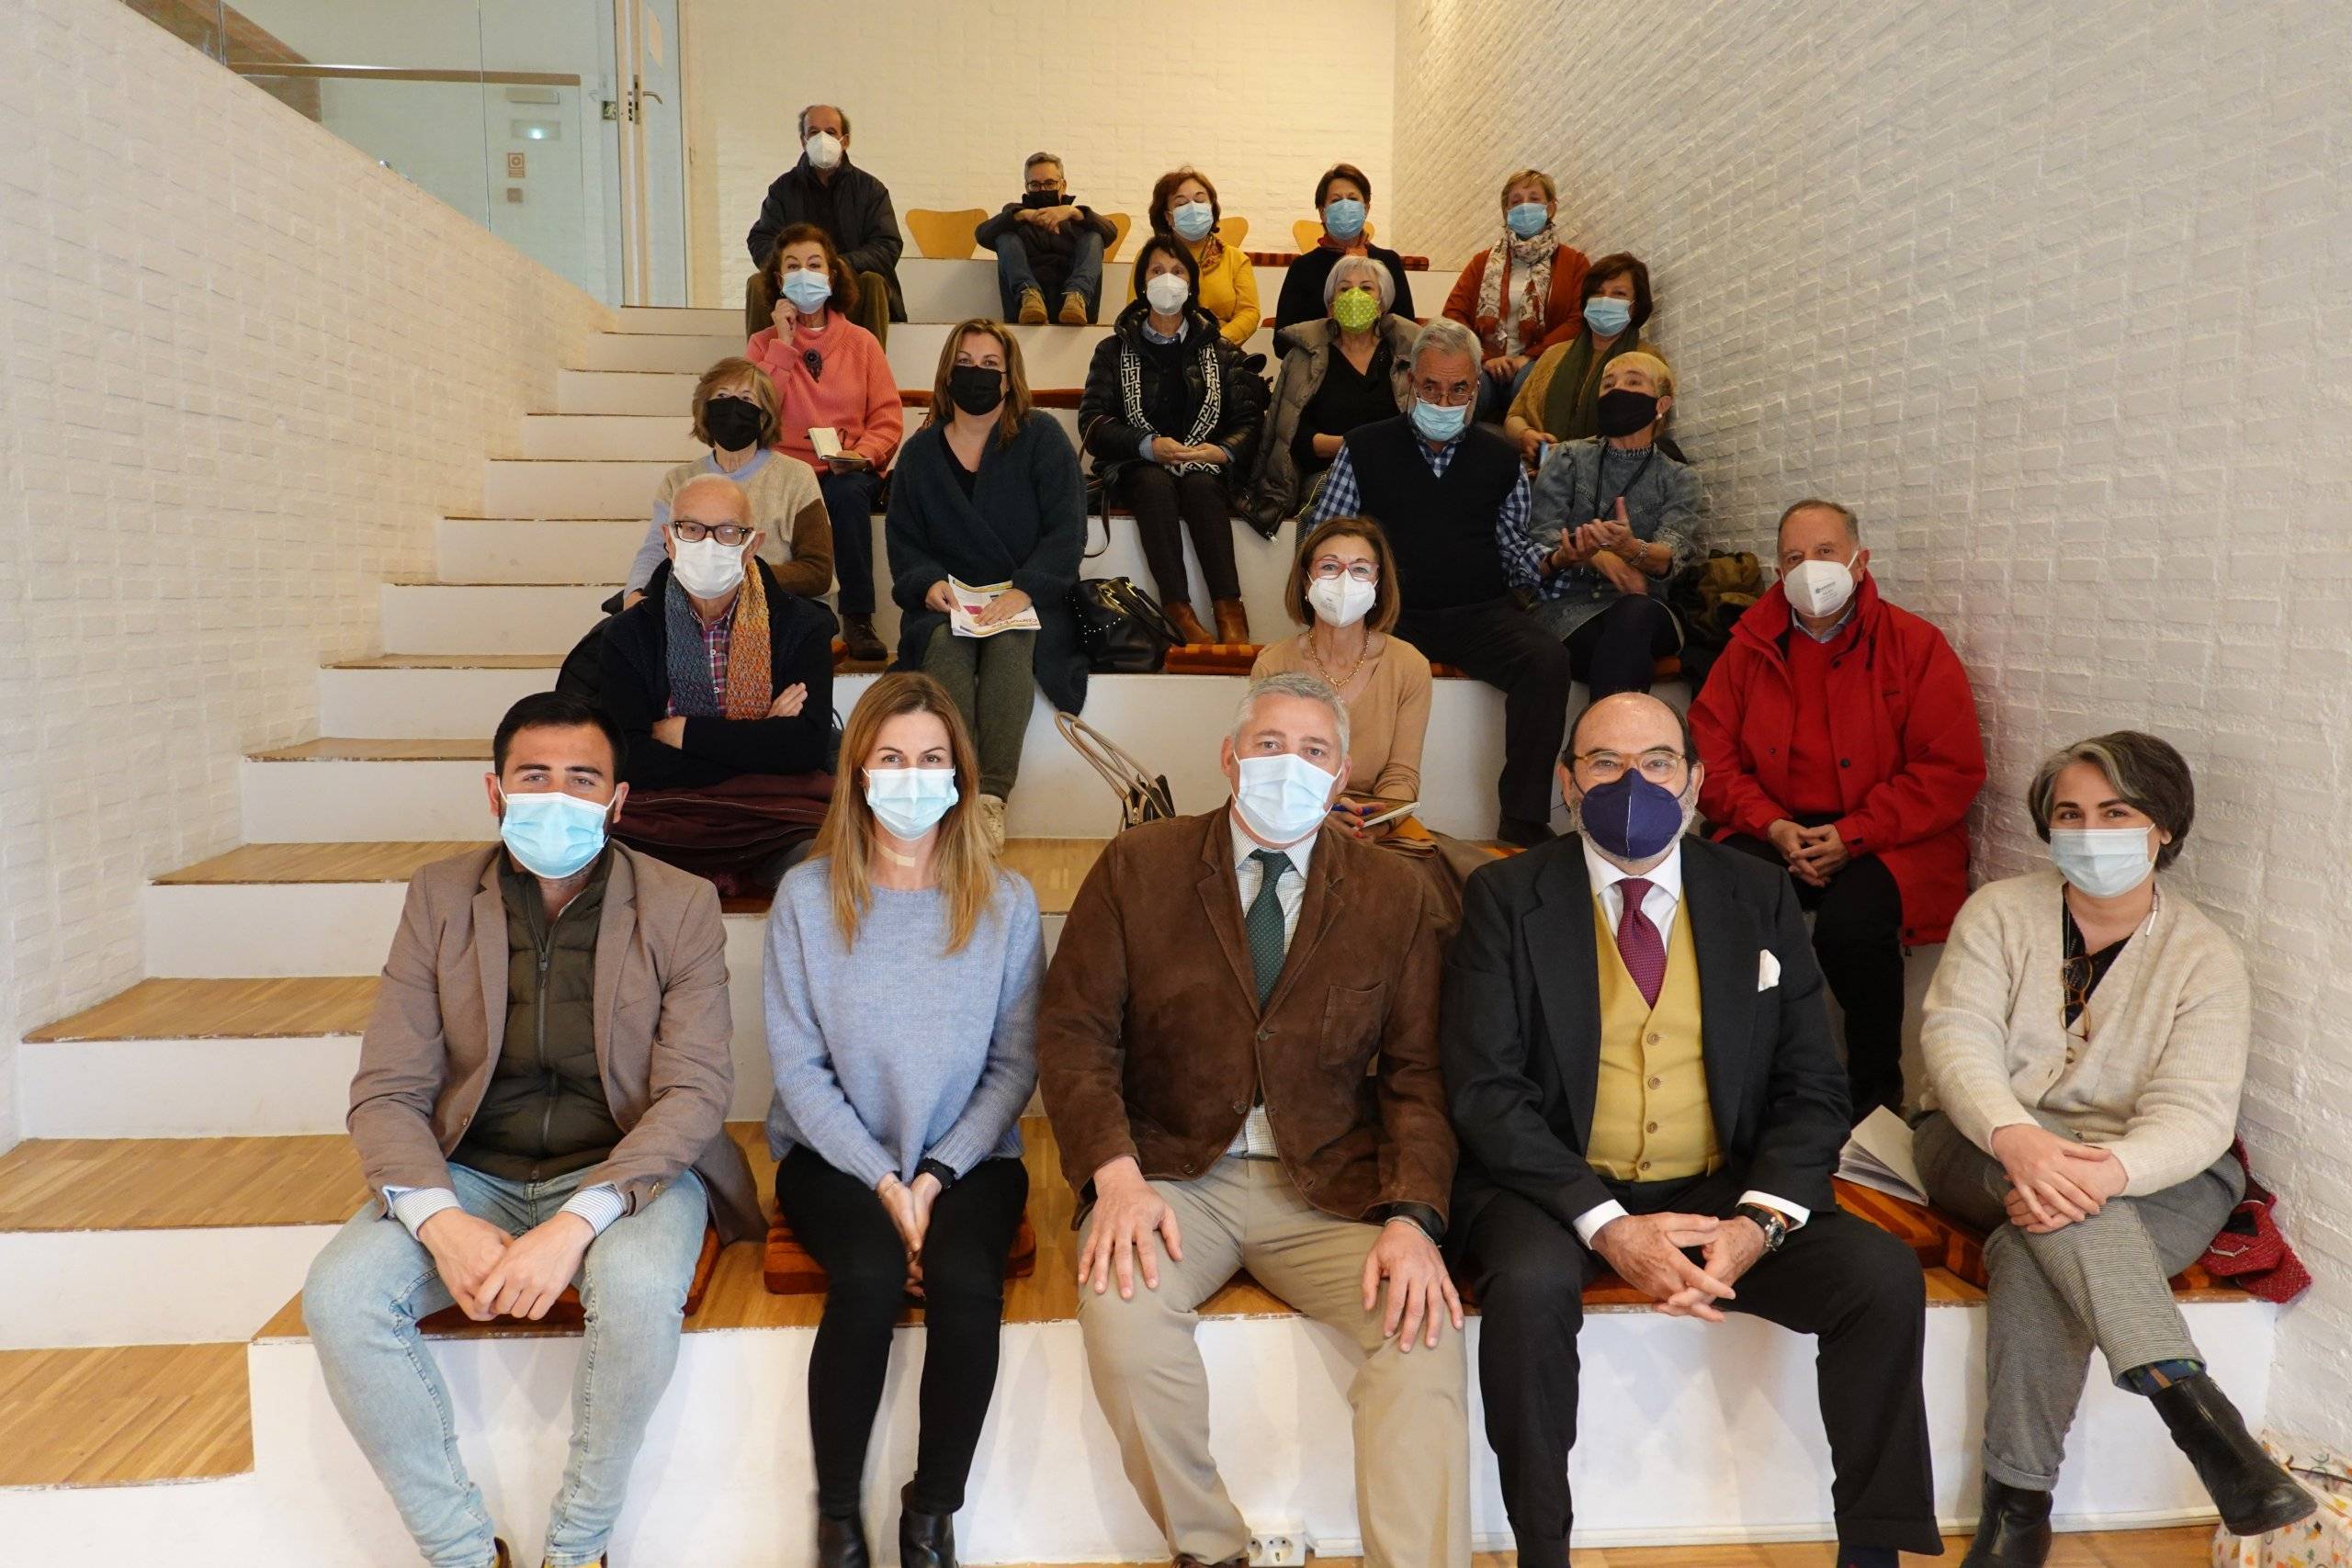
1238, 1046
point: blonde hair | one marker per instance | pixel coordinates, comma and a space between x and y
727, 375
1012, 413
1661, 373
967, 871
1551, 191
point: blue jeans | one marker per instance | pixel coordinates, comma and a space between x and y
1014, 273
849, 504
373, 1280
1497, 392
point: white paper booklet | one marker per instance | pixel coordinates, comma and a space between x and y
964, 619
1879, 1155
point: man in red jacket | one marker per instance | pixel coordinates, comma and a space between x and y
1840, 739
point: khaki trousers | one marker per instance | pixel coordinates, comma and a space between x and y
1411, 1427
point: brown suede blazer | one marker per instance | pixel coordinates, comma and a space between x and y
1151, 1041
662, 1021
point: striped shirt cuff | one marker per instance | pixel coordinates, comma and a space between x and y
599, 1205
414, 1205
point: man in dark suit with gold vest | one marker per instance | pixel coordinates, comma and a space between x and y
1641, 1079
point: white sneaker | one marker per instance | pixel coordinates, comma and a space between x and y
992, 823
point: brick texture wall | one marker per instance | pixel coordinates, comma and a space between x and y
2056, 296
945, 100
244, 370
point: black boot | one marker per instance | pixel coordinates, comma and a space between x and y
841, 1543
2013, 1531
2252, 1493
925, 1540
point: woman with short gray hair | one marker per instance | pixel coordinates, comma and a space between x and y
2085, 1073
1348, 369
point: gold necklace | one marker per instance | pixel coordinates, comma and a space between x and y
1340, 683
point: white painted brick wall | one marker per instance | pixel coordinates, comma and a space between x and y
945, 99
2055, 294
245, 371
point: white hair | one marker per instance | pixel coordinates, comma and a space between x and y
1348, 267
1445, 336
1291, 683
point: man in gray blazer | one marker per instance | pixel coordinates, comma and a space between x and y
541, 1096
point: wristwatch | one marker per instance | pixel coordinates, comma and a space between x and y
937, 1172
1774, 1225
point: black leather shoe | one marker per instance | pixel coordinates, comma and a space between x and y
841, 1543
925, 1540
2252, 1493
2013, 1531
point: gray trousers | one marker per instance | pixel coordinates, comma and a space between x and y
993, 683
2100, 1283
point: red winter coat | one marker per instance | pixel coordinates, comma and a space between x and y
1904, 725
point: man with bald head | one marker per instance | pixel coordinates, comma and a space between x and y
1841, 744
722, 686
1641, 1077
853, 209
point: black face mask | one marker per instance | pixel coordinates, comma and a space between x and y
1623, 412
1042, 199
733, 422
976, 388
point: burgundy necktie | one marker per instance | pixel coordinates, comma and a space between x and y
1638, 943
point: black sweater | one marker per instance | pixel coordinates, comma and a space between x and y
636, 681
1302, 296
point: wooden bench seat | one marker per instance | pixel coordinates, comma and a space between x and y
567, 1316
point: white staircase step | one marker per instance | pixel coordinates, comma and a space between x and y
524, 488
674, 319
630, 392
1052, 355
949, 291
325, 802
524, 549
666, 437
443, 617
150, 1287
413, 699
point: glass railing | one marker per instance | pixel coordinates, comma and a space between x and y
514, 112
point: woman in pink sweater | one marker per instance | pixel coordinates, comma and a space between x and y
831, 374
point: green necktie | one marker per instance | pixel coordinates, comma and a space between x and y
1264, 922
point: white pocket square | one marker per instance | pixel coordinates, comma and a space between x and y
1767, 970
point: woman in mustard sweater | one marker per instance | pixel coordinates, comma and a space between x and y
1184, 207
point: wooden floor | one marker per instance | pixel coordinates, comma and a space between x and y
453, 661
346, 748
133, 1184
223, 1009
2190, 1546
288, 864
125, 1414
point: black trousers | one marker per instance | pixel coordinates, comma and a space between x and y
846, 1228
849, 504
1858, 936
1166, 506
1616, 651
1500, 644
1854, 1287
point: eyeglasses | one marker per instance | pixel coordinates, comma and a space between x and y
695, 533
1039, 188
1329, 567
814, 363
1659, 765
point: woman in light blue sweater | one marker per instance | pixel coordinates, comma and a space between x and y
898, 1127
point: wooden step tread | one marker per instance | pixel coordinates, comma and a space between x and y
135, 1184
453, 661
222, 1009
124, 1415
352, 749
282, 864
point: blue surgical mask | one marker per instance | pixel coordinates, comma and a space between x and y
1343, 217
2102, 862
908, 802
1192, 219
1283, 798
807, 290
551, 834
1630, 819
1438, 421
1606, 316
1527, 219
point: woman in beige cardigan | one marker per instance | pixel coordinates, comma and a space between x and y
2086, 1037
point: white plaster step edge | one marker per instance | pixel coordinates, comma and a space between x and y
146, 1287
531, 549
439, 617
410, 705
1051, 356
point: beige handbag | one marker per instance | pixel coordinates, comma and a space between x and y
1143, 796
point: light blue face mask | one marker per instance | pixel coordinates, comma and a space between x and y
1606, 316
908, 802
1192, 219
1440, 422
551, 834
1527, 219
2102, 862
807, 290
1343, 217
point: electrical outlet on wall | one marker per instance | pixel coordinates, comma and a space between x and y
1279, 1546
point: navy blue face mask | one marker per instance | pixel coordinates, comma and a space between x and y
1631, 818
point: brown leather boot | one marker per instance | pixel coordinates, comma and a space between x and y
1188, 630
1232, 621
1032, 308
859, 641
1074, 312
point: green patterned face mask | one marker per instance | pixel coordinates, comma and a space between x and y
1355, 308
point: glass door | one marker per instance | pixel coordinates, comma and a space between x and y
653, 155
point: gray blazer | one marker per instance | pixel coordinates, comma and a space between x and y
1580, 481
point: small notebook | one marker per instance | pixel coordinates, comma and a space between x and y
1878, 1155
963, 618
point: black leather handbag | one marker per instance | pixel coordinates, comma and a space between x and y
1120, 627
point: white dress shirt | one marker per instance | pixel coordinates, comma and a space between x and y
1666, 892
1256, 1139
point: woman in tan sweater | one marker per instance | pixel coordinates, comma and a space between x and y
2086, 1036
